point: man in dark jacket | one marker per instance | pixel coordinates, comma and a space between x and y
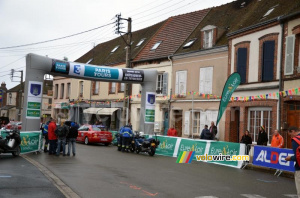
295, 135
206, 134
213, 130
262, 136
52, 137
73, 133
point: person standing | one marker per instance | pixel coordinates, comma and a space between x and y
172, 132
206, 134
262, 136
246, 139
73, 133
45, 134
295, 135
126, 137
61, 133
213, 129
52, 137
277, 140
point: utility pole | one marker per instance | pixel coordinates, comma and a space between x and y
127, 91
20, 97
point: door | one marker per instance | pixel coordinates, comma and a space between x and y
178, 122
166, 122
293, 119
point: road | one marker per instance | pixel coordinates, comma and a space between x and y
100, 171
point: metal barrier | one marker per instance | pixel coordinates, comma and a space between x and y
249, 152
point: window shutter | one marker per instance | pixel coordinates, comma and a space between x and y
289, 55
268, 60
202, 80
242, 63
109, 87
208, 80
186, 122
177, 83
202, 120
182, 85
210, 33
93, 87
165, 84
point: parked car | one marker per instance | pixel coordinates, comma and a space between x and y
14, 123
93, 134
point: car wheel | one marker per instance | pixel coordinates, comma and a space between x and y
106, 144
86, 140
17, 152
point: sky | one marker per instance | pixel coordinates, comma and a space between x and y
30, 21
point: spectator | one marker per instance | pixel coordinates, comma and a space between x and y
52, 137
206, 134
246, 139
277, 140
172, 132
213, 129
45, 134
295, 135
73, 133
61, 133
262, 136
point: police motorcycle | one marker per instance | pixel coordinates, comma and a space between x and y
148, 145
11, 142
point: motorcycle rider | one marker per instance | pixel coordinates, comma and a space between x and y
126, 137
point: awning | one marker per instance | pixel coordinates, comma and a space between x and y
107, 111
92, 110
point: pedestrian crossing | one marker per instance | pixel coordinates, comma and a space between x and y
252, 196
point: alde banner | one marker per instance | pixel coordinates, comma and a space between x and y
273, 158
231, 84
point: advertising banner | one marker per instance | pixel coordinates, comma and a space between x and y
133, 75
231, 84
34, 100
114, 138
192, 145
61, 67
150, 107
224, 148
30, 141
166, 146
273, 158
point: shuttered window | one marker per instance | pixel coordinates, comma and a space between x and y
180, 86
206, 78
268, 61
165, 84
289, 55
242, 63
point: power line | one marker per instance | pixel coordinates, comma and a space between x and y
17, 46
12, 62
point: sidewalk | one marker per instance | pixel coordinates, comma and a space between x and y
19, 178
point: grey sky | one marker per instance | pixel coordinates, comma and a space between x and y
30, 21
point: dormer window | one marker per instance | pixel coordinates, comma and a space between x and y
155, 46
112, 51
208, 36
140, 42
189, 43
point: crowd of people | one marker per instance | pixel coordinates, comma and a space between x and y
58, 137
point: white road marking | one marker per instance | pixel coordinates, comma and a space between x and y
291, 195
5, 176
206, 197
252, 196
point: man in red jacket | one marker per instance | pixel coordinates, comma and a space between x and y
52, 137
172, 132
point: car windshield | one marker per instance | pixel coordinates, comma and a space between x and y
96, 129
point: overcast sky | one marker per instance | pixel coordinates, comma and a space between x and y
31, 21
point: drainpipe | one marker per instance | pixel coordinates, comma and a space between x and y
280, 73
169, 117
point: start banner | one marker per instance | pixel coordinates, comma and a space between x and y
273, 158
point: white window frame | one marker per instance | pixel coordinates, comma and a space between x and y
206, 84
159, 83
205, 118
261, 109
113, 87
178, 83
208, 38
122, 87
115, 49
81, 86
140, 42
97, 86
156, 45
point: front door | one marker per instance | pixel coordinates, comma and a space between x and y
166, 122
178, 122
293, 119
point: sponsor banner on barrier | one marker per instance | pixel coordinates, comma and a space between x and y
166, 146
30, 141
273, 158
61, 67
192, 145
224, 148
114, 138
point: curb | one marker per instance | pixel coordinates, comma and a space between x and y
270, 170
60, 185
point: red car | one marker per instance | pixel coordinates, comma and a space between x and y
93, 134
13, 123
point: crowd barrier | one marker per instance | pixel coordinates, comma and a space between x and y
270, 157
172, 146
31, 141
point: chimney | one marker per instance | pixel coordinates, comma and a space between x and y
3, 86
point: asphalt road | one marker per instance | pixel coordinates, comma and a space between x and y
20, 179
100, 171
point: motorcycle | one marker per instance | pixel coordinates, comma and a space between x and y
11, 143
131, 145
148, 145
